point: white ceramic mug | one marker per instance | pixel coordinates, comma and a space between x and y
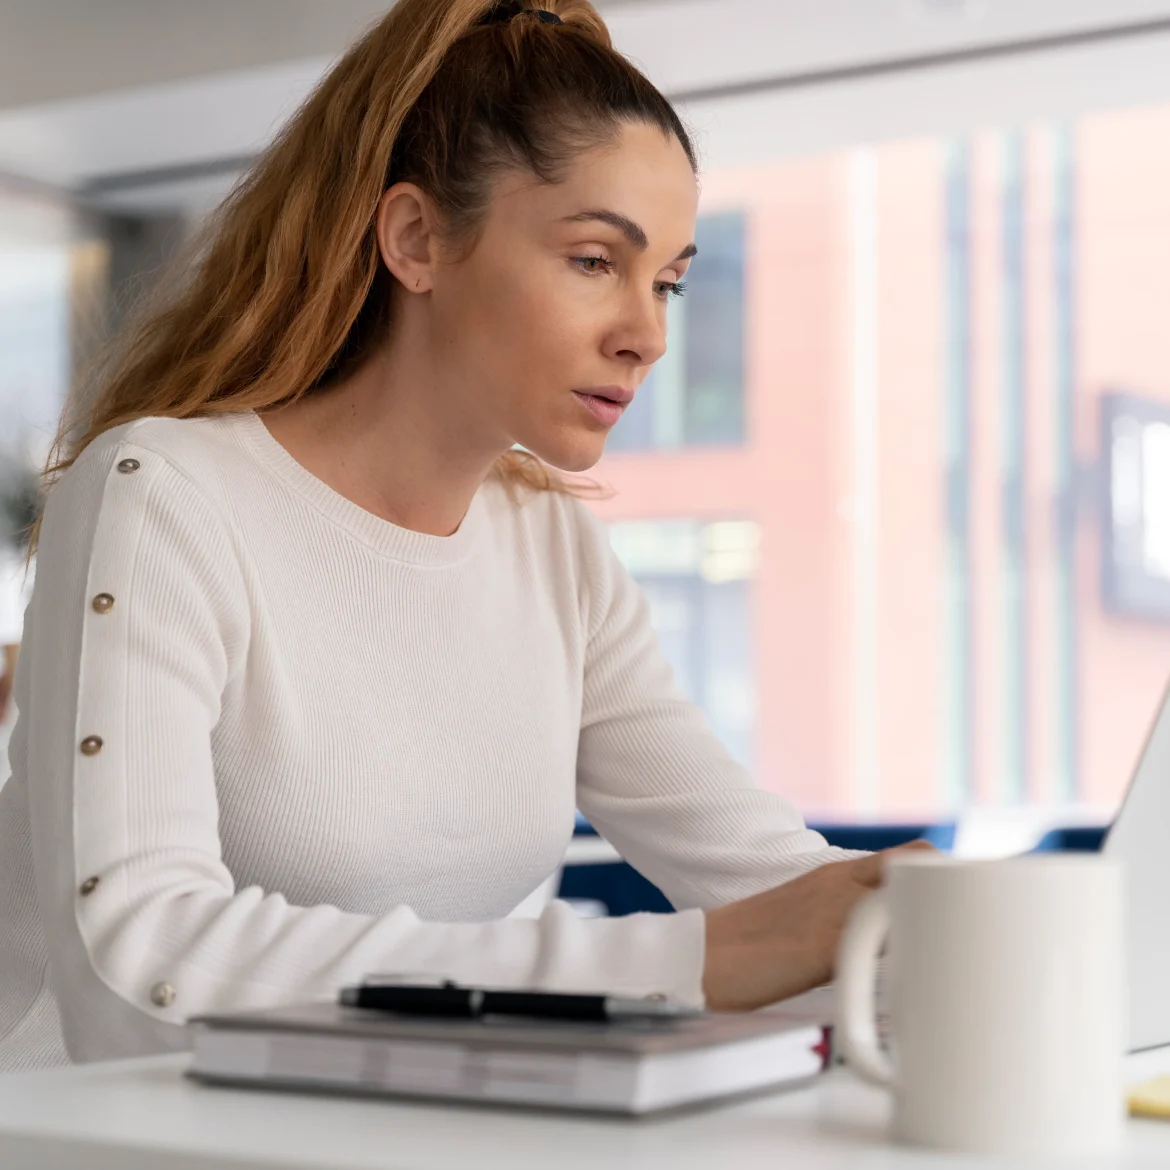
1006, 1001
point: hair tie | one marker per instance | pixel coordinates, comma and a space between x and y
505, 13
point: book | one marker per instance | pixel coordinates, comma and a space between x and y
627, 1067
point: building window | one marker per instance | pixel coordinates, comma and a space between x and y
694, 395
697, 579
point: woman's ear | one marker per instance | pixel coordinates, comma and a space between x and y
407, 237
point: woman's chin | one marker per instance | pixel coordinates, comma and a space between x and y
571, 453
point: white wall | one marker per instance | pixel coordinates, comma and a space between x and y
1012, 91
685, 45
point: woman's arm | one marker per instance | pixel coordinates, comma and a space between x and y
652, 776
659, 785
144, 922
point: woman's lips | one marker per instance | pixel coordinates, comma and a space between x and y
605, 410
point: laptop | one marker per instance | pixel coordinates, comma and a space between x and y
1140, 837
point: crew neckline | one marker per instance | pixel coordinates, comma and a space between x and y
385, 537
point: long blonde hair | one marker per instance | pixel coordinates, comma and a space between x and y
284, 289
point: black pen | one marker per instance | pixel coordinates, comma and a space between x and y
452, 1001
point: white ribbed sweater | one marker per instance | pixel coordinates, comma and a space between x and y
331, 746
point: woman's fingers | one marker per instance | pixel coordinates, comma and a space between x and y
783, 941
871, 870
868, 871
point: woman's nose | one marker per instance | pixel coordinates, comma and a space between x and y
640, 338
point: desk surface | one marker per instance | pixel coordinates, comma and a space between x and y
143, 1114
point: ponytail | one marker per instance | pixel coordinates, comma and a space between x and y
285, 289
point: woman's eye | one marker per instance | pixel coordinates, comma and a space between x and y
595, 265
592, 264
670, 288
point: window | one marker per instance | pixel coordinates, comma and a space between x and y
694, 395
1135, 435
697, 580
957, 469
34, 343
44, 260
53, 272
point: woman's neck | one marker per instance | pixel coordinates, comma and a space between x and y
376, 439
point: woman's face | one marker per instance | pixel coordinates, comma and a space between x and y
545, 330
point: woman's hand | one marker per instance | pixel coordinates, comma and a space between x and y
784, 941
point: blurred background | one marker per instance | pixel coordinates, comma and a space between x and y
899, 493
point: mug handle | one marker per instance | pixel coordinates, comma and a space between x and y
857, 956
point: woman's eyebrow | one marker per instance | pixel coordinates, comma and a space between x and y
632, 231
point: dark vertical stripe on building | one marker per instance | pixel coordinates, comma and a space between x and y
958, 736
1013, 456
1064, 298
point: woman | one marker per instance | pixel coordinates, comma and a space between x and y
318, 665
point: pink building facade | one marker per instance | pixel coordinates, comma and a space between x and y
929, 329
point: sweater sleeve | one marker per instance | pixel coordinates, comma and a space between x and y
139, 624
653, 778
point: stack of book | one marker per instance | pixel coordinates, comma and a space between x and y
634, 1065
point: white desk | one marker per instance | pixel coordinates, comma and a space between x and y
143, 1114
